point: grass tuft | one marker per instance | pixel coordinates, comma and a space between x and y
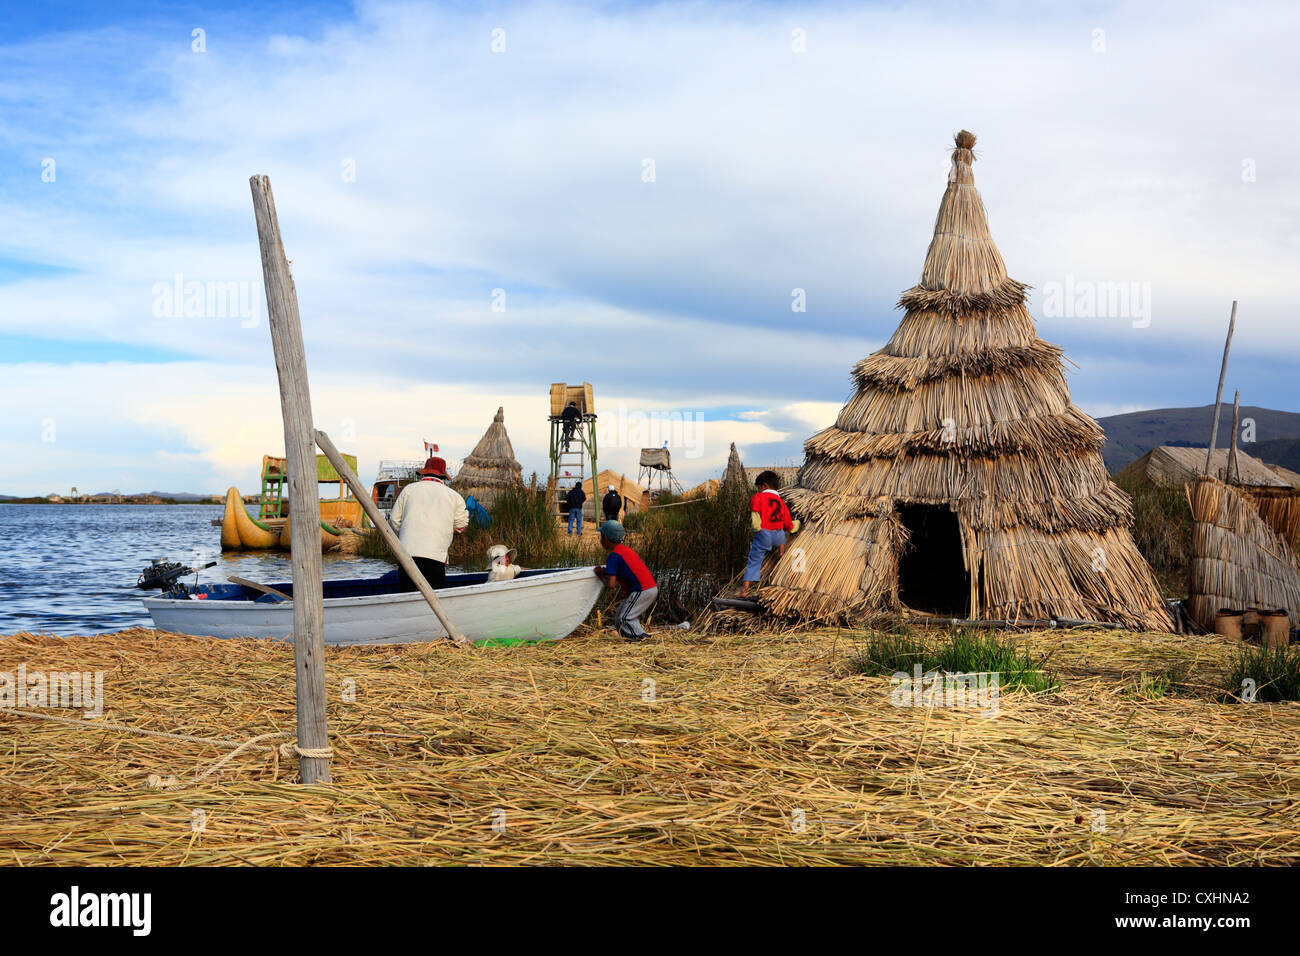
1275, 672
969, 651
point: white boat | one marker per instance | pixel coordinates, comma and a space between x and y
539, 605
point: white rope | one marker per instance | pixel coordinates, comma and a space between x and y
154, 781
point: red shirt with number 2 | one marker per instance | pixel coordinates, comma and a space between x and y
772, 510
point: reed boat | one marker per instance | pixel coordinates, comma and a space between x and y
270, 529
539, 605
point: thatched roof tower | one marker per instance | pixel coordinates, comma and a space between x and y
959, 479
491, 466
735, 472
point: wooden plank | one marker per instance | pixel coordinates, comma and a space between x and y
1218, 396
244, 582
300, 466
394, 542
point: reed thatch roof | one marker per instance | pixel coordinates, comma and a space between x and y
1280, 509
735, 471
491, 466
705, 489
1286, 474
656, 458
631, 493
965, 410
1238, 561
1174, 465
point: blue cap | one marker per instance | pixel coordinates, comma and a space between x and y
612, 530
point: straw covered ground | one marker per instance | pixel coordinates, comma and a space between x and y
745, 749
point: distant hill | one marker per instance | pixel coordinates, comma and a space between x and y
180, 495
1279, 451
1132, 435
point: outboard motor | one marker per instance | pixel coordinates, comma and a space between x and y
166, 576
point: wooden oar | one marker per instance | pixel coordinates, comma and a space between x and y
244, 582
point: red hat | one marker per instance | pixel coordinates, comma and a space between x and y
436, 467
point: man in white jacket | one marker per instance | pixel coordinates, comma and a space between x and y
426, 516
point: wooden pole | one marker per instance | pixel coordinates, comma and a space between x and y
300, 468
385, 529
1234, 468
1218, 396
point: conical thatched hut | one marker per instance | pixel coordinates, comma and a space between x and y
491, 467
959, 479
735, 471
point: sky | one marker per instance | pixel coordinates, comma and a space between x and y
481, 199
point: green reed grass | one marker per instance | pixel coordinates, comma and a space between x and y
1162, 530
967, 651
1275, 672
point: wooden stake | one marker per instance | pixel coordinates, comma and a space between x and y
394, 542
1234, 468
1218, 396
300, 467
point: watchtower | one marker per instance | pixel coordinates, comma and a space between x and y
656, 472
573, 442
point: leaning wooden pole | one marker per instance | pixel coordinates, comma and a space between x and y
1234, 467
300, 467
1218, 396
386, 530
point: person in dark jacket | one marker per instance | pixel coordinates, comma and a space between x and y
611, 504
570, 418
575, 499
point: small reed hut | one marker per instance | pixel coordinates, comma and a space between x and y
491, 466
1238, 560
959, 479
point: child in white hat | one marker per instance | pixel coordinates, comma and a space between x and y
501, 566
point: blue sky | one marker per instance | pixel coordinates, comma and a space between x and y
417, 171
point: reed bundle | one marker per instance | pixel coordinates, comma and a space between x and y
968, 410
761, 749
1238, 560
1280, 509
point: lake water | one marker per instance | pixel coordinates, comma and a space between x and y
71, 569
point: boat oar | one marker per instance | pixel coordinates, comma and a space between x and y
386, 530
244, 582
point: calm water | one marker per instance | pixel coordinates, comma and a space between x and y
71, 569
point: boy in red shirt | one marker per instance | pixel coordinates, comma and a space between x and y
771, 520
624, 566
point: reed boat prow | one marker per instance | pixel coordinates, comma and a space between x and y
539, 605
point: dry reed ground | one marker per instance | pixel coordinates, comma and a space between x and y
743, 732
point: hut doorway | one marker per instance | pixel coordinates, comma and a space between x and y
932, 576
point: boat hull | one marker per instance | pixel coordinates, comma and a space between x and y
540, 607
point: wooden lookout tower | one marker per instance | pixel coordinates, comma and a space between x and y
656, 472
573, 440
